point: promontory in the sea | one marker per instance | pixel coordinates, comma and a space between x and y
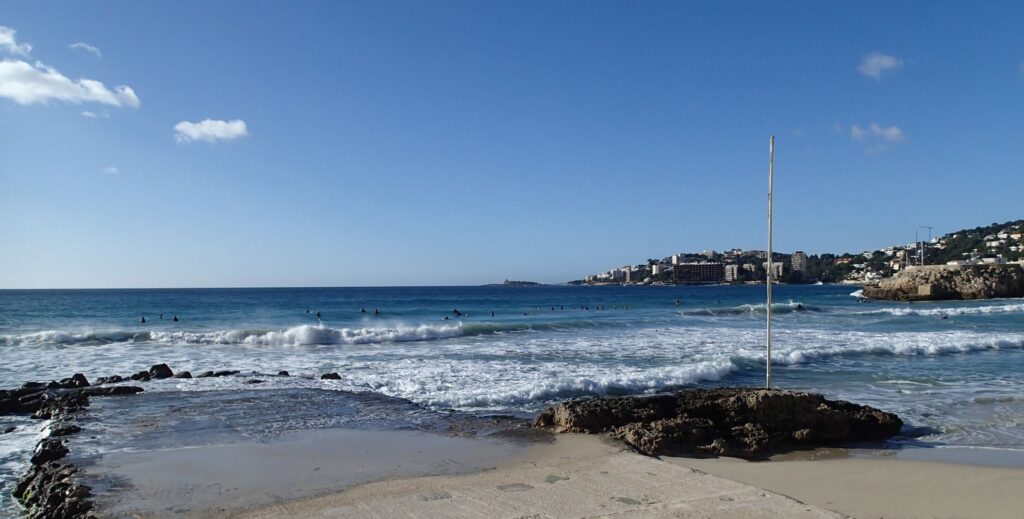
944, 282
511, 283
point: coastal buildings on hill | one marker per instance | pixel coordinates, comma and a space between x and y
992, 244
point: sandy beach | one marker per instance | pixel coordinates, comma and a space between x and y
575, 476
587, 476
880, 486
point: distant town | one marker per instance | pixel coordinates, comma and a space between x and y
993, 244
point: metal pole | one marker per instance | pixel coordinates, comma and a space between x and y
771, 269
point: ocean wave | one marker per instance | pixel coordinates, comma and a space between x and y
895, 344
294, 336
964, 310
501, 394
777, 308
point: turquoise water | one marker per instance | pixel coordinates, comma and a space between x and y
956, 380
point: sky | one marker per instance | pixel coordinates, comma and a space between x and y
221, 144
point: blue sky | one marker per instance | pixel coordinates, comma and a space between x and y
419, 143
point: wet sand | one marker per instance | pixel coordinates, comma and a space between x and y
575, 476
216, 479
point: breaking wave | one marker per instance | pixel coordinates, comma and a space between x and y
895, 344
777, 308
294, 336
964, 310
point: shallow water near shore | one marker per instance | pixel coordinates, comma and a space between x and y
955, 380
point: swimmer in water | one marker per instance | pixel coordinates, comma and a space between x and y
143, 321
363, 311
175, 318
376, 311
318, 315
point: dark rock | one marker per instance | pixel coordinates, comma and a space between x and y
53, 404
64, 429
48, 450
183, 374
222, 373
283, 373
33, 385
113, 379
330, 376
254, 381
142, 376
111, 391
742, 422
160, 371
76, 380
10, 429
51, 490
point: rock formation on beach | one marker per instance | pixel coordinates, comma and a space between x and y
939, 282
50, 488
747, 423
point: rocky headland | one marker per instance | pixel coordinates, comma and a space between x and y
942, 282
747, 423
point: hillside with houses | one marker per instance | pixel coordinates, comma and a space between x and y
992, 244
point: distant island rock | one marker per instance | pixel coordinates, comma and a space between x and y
945, 282
510, 283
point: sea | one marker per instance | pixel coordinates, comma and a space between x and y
951, 370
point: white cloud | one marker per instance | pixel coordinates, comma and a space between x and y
37, 83
210, 130
877, 132
877, 138
87, 48
96, 115
110, 170
875, 64
9, 44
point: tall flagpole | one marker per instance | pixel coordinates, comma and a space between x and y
771, 269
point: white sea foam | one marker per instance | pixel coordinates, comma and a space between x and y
940, 311
296, 335
858, 293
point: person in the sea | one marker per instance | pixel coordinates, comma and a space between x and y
445, 318
175, 318
318, 314
376, 311
363, 311
143, 321
492, 313
161, 316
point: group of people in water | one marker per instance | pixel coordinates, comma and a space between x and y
143, 320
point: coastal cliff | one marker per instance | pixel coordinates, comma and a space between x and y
941, 282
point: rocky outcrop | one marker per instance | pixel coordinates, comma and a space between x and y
742, 422
50, 488
940, 282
